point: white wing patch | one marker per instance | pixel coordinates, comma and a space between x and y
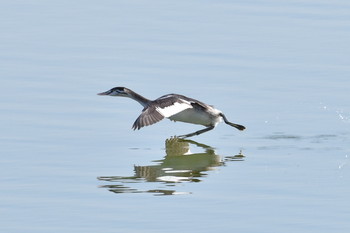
174, 108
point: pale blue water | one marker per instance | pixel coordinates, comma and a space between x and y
71, 163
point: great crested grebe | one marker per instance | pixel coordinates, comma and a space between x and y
176, 108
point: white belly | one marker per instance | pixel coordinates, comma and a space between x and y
194, 116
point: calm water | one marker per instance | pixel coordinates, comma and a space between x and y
71, 163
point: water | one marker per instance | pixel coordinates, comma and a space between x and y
70, 161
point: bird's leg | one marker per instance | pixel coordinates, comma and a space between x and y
197, 132
237, 126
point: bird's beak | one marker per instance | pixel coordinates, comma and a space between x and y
104, 93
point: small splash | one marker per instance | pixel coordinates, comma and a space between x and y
343, 163
341, 114
238, 157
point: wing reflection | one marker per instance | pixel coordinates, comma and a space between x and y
178, 166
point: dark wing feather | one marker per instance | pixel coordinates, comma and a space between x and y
198, 105
149, 116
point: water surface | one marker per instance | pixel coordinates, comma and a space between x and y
71, 163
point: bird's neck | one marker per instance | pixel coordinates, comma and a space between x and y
139, 98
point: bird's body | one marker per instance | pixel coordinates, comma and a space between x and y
174, 107
196, 112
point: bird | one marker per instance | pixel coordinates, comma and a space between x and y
174, 107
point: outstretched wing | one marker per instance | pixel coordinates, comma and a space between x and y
149, 116
165, 106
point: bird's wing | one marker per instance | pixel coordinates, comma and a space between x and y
165, 106
149, 116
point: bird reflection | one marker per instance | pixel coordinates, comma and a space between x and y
178, 166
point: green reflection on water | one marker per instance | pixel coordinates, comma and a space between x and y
179, 165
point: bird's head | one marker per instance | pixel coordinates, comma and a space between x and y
116, 91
